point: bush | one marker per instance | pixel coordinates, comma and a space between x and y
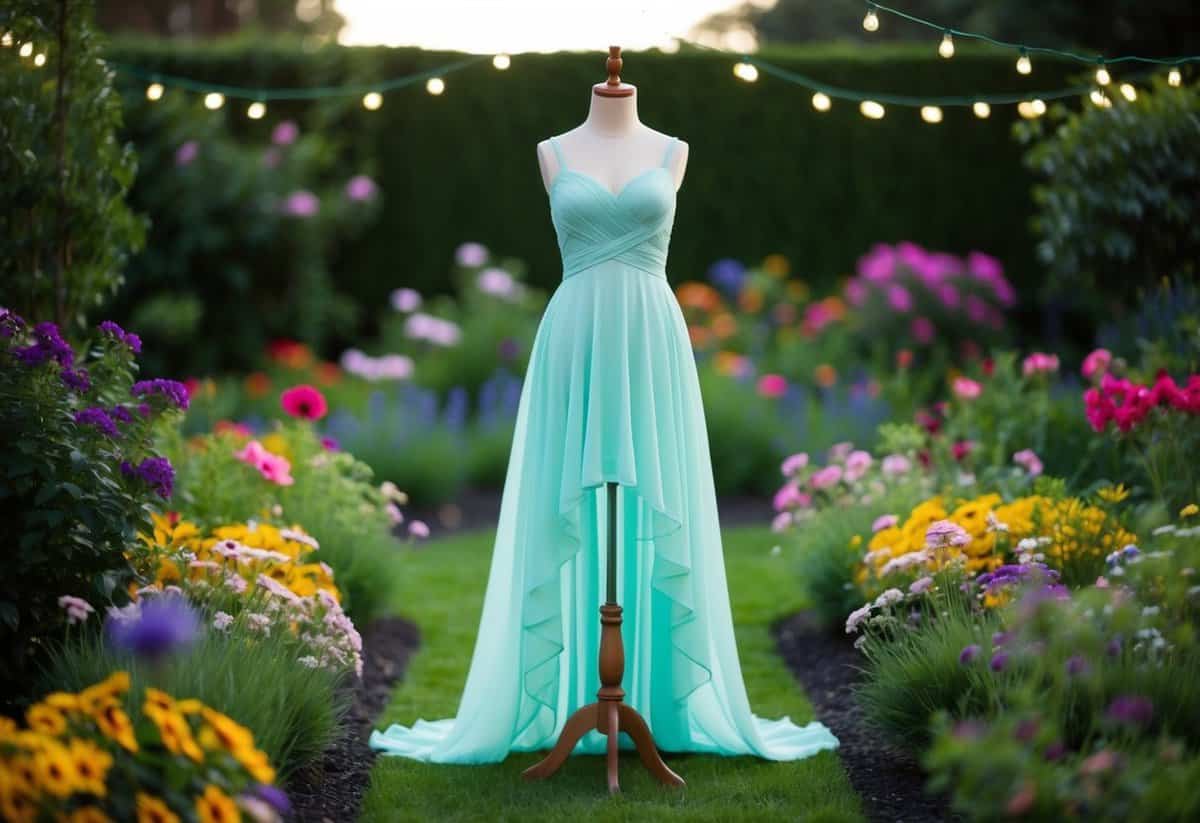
1117, 202
78, 475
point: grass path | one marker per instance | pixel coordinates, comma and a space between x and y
442, 590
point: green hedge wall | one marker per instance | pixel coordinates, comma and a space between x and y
766, 173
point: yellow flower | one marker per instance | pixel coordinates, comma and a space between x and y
63, 701
151, 809
214, 806
88, 814
115, 725
257, 764
21, 771
46, 719
776, 265
223, 732
277, 444
91, 767
7, 727
189, 706
95, 697
175, 732
1113, 494
1189, 510
18, 803
156, 698
55, 770
856, 541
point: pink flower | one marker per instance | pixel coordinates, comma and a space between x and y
418, 529
285, 133
497, 282
943, 533
304, 402
899, 298
301, 203
922, 330
186, 153
271, 466
966, 389
1029, 461
1101, 582
394, 514
1039, 363
856, 292
921, 586
949, 295
781, 522
360, 188
794, 464
77, 608
838, 452
772, 385
895, 465
827, 477
856, 465
878, 264
884, 521
789, 496
471, 255
1096, 363
405, 300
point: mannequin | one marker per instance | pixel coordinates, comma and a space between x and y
612, 145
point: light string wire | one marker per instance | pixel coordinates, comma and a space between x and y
1093, 59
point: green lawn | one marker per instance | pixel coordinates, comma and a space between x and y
442, 591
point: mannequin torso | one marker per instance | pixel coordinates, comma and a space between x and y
612, 146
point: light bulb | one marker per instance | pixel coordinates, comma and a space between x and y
1100, 99
435, 85
256, 110
871, 21
154, 91
871, 110
1024, 66
946, 47
1174, 78
6, 39
821, 101
931, 114
1128, 92
25, 50
1030, 109
501, 61
214, 100
1103, 77
1039, 106
746, 71
982, 110
372, 100
40, 59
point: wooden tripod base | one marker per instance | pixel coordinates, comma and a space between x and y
609, 715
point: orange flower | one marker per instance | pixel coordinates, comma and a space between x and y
700, 336
257, 384
825, 375
328, 373
750, 300
724, 326
695, 295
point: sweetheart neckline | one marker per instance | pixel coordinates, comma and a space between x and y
614, 195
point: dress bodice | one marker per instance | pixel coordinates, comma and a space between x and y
594, 225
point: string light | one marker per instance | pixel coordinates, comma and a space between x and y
871, 110
372, 100
1128, 92
745, 71
6, 39
931, 114
1103, 78
501, 61
435, 86
25, 50
871, 20
1174, 78
1024, 66
214, 100
982, 110
256, 110
1100, 99
821, 101
40, 59
154, 92
946, 47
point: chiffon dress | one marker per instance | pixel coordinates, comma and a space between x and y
611, 395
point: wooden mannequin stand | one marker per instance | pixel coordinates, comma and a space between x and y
609, 715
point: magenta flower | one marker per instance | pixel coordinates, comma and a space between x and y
789, 496
949, 295
977, 309
1131, 709
899, 298
965, 388
285, 133
1039, 363
1096, 363
878, 264
827, 477
301, 203
856, 292
271, 466
794, 463
943, 533
361, 188
772, 385
405, 300
186, 153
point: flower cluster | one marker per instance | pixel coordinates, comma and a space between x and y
1127, 404
82, 757
117, 333
272, 466
155, 472
172, 392
385, 367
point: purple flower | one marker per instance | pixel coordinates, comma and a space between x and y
999, 661
727, 275
1076, 665
186, 153
301, 203
968, 654
330, 443
160, 626
1000, 638
508, 349
120, 414
360, 188
117, 333
76, 380
48, 345
471, 255
273, 797
285, 133
173, 391
10, 322
155, 472
1132, 709
899, 298
97, 417
1113, 647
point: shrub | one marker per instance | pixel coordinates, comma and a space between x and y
78, 475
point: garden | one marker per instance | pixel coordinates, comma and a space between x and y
262, 363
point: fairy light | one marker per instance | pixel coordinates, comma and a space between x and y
1100, 99
154, 92
931, 114
6, 39
1174, 78
946, 47
1103, 78
256, 110
746, 71
871, 20
821, 101
1031, 109
40, 59
1024, 65
1128, 92
871, 110
214, 100
435, 86
501, 62
982, 110
26, 49
372, 100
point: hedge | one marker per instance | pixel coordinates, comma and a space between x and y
766, 174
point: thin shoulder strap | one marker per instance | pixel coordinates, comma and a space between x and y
562, 164
669, 150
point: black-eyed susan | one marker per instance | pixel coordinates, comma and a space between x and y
157, 699
46, 719
175, 733
63, 701
151, 809
257, 764
214, 806
223, 732
55, 770
91, 766
115, 724
88, 814
94, 697
18, 803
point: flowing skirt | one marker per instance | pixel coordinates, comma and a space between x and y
611, 395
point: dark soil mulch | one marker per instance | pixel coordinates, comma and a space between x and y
331, 790
890, 781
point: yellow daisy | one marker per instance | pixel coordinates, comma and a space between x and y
214, 806
151, 809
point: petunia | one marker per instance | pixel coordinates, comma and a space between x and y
304, 402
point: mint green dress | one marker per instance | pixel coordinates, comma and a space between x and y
611, 394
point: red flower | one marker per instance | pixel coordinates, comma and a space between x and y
962, 449
305, 402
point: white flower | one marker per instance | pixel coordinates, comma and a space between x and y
309, 662
77, 608
222, 621
1027, 544
1150, 611
300, 537
260, 623
889, 597
856, 618
995, 525
1167, 529
903, 563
